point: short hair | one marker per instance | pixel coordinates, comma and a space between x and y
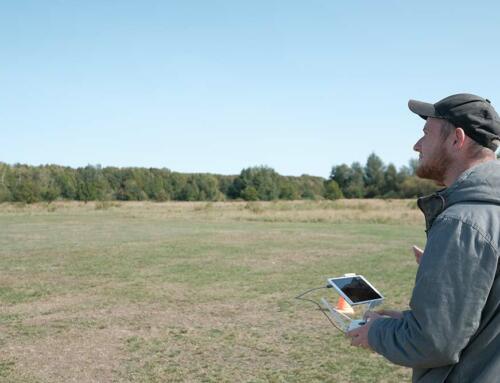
446, 128
475, 150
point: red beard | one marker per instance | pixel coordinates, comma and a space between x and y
436, 169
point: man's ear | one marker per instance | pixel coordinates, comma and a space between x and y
459, 138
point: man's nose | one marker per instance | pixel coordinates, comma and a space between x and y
417, 146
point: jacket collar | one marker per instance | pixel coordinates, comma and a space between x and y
469, 186
432, 205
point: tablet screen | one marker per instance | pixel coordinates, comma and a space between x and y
356, 289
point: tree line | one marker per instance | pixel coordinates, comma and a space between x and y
29, 184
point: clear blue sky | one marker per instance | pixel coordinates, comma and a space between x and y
217, 86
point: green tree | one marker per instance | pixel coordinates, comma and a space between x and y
177, 182
350, 179
132, 191
23, 184
26, 191
390, 186
332, 190
154, 186
342, 175
190, 191
5, 194
413, 165
288, 189
356, 188
225, 183
311, 187
413, 187
65, 180
250, 194
91, 183
262, 178
208, 187
374, 176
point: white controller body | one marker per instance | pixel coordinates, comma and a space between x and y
342, 321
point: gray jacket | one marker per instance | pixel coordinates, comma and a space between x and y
452, 331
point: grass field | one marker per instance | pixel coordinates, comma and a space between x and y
194, 292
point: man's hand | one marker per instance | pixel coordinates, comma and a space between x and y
359, 336
418, 252
369, 315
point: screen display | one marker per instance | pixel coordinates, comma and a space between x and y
356, 289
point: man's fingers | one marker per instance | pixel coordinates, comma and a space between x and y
418, 253
353, 333
417, 250
370, 315
359, 336
350, 334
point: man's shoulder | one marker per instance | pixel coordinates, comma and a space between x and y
479, 216
473, 209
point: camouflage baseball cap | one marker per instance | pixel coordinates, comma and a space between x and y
474, 114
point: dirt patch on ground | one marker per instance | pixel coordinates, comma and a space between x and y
75, 356
98, 354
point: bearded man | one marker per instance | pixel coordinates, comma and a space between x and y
451, 333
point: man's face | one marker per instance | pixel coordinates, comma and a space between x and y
434, 159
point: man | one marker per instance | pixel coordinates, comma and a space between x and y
451, 333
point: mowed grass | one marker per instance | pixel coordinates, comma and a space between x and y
194, 292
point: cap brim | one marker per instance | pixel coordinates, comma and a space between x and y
423, 109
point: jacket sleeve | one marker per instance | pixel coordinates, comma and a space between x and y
451, 287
